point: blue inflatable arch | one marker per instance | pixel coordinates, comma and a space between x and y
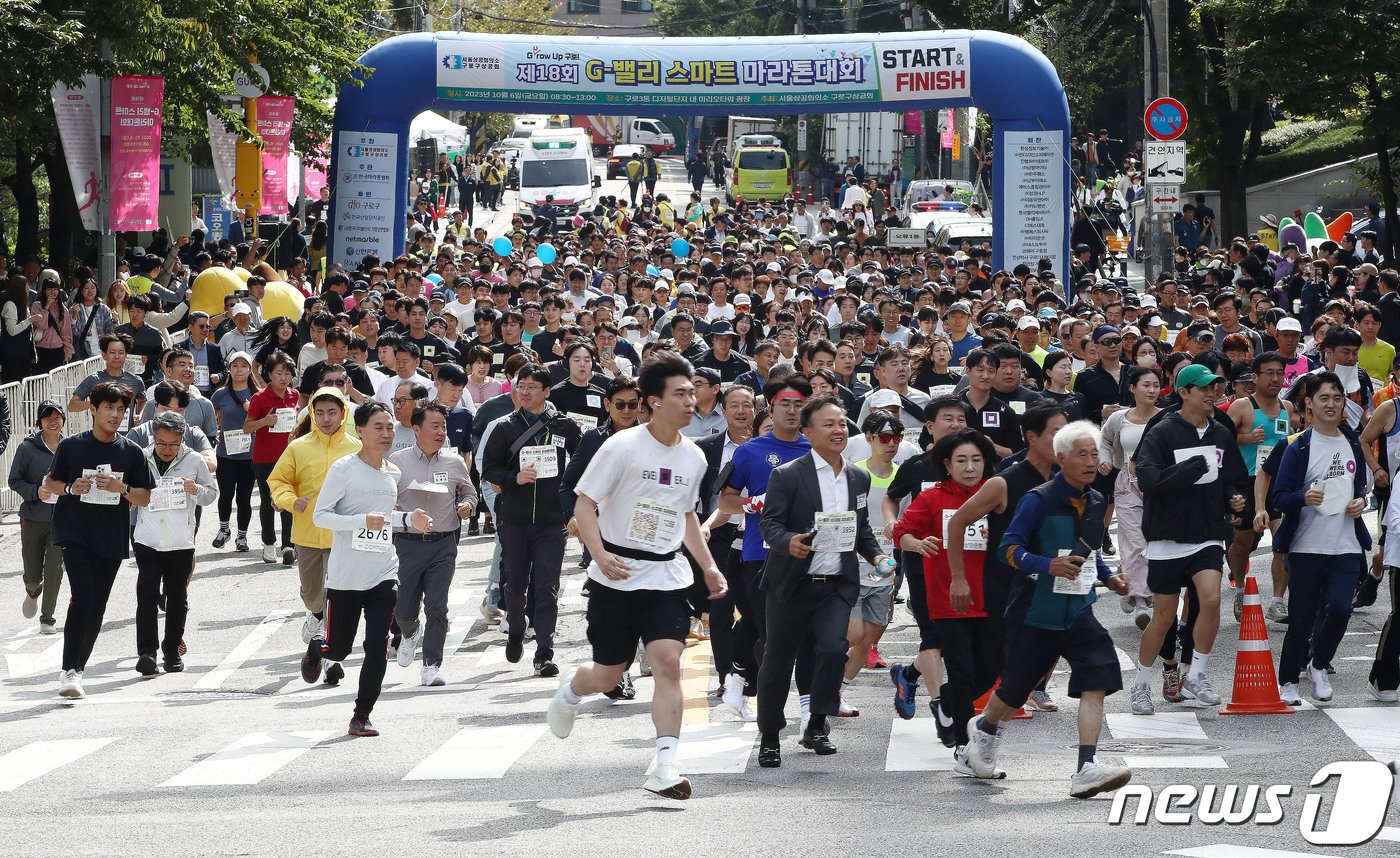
997, 73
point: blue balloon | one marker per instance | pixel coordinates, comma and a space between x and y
502, 246
547, 253
681, 248
653, 271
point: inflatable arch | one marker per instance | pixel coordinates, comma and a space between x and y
1000, 74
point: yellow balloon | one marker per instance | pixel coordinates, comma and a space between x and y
282, 299
211, 287
243, 273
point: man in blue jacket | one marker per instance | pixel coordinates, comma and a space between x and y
1321, 488
1050, 613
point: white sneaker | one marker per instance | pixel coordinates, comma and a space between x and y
432, 676
1142, 617
310, 628
1142, 700
1277, 611
70, 685
1128, 604
1383, 696
643, 666
1288, 693
1200, 688
982, 751
48, 629
961, 766
846, 710
1096, 777
733, 696
269, 554
407, 647
561, 713
30, 606
667, 782
1322, 686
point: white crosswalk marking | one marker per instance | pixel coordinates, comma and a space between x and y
478, 753
1375, 729
1226, 850
1133, 761
249, 760
47, 661
16, 641
914, 747
714, 749
245, 650
37, 759
1163, 725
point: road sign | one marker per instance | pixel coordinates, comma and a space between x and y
905, 237
1165, 198
802, 136
254, 85
1164, 162
1165, 119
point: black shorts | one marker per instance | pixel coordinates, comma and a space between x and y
1031, 652
1167, 577
913, 567
618, 618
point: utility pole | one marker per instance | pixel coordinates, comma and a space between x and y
1157, 244
848, 15
108, 249
804, 148
916, 22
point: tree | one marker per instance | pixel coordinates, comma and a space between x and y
306, 48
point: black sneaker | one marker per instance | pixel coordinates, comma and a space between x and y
945, 734
289, 555
175, 665
311, 662
546, 668
489, 528
474, 529
515, 648
1366, 591
623, 691
146, 665
223, 536
361, 727
334, 674
1108, 547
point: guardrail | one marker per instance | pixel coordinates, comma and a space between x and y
24, 398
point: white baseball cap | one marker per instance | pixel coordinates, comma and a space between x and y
1288, 323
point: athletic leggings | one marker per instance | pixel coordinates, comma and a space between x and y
1182, 633
235, 477
343, 611
266, 508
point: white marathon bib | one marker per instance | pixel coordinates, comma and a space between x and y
544, 459
135, 364
374, 541
655, 524
1082, 585
836, 531
286, 420
585, 422
101, 497
237, 442
168, 494
1261, 455
201, 376
974, 538
1213, 456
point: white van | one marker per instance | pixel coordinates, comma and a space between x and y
558, 163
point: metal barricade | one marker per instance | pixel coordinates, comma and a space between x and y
24, 398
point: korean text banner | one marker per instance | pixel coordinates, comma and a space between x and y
275, 128
76, 111
136, 123
614, 73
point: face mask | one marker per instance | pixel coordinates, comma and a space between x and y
1147, 359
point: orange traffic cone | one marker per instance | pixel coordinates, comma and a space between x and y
442, 205
1256, 684
981, 703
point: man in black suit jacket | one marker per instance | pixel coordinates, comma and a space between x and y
811, 581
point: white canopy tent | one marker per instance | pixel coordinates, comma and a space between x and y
448, 133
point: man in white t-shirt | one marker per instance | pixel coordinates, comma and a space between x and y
635, 510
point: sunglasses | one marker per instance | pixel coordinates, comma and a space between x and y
629, 405
888, 437
1111, 341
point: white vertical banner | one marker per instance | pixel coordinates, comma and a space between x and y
77, 113
1036, 202
971, 126
366, 182
293, 178
223, 145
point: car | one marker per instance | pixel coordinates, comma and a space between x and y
621, 154
976, 230
761, 173
923, 193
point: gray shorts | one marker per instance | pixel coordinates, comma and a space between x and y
874, 605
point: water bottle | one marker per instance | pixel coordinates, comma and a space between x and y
886, 567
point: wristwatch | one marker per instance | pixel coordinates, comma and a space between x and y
68, 488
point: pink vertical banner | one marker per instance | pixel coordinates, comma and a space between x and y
137, 102
275, 129
913, 121
947, 128
315, 178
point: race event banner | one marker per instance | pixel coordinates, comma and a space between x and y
75, 109
693, 72
223, 146
365, 181
1035, 215
137, 102
274, 126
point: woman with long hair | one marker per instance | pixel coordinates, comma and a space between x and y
92, 320
117, 293
1122, 432
316, 250
235, 450
1059, 370
53, 327
746, 334
17, 344
933, 367
278, 334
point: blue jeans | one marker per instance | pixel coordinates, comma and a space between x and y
1317, 581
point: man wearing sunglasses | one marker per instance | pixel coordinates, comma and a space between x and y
208, 359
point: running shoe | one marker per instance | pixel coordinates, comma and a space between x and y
1041, 701
942, 724
982, 751
310, 628
30, 606
335, 672
846, 710
407, 649
515, 648
961, 766
546, 668
1239, 603
1366, 591
269, 554
874, 660
667, 782
174, 665
1171, 684
1200, 688
289, 556
1096, 777
222, 537
1277, 611
183, 649
240, 542
1288, 693
146, 665
70, 685
643, 665
561, 713
360, 726
1108, 547
625, 690
904, 692
1142, 700
1128, 603
1142, 617
1322, 685
1391, 696
395, 640
311, 662
489, 528
48, 629
474, 529
432, 676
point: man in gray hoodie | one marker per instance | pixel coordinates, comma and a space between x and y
43, 561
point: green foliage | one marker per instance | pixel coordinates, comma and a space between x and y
1280, 137
1330, 147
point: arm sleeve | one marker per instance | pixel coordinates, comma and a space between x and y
920, 520
1024, 522
1289, 489
1156, 475
26, 490
773, 524
333, 488
280, 481
208, 489
496, 467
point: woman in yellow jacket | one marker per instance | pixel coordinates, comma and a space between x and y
294, 484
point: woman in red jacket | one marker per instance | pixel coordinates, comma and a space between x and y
271, 418
971, 650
